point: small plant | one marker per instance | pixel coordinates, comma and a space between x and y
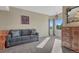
59, 27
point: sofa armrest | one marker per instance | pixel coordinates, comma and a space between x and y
8, 37
8, 40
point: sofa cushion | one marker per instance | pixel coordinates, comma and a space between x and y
15, 33
33, 31
26, 32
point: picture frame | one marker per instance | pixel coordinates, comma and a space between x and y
24, 19
68, 10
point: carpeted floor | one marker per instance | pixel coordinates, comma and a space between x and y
31, 47
57, 48
44, 45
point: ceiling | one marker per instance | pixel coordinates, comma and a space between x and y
47, 10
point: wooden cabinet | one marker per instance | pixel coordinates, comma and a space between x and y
3, 35
75, 37
66, 37
70, 38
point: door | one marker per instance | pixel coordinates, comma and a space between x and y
58, 27
50, 27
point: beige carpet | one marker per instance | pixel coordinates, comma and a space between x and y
31, 47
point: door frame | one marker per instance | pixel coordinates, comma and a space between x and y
49, 26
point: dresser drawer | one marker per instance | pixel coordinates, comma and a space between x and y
75, 28
66, 29
75, 46
68, 39
66, 44
66, 33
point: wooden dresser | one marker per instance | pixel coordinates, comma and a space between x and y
70, 38
3, 35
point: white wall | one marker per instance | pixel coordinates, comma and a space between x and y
4, 8
12, 20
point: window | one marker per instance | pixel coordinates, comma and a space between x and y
59, 23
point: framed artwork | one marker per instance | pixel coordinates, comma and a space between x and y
24, 19
72, 14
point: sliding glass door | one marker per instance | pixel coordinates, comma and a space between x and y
50, 26
58, 27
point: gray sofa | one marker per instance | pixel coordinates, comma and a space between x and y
16, 37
